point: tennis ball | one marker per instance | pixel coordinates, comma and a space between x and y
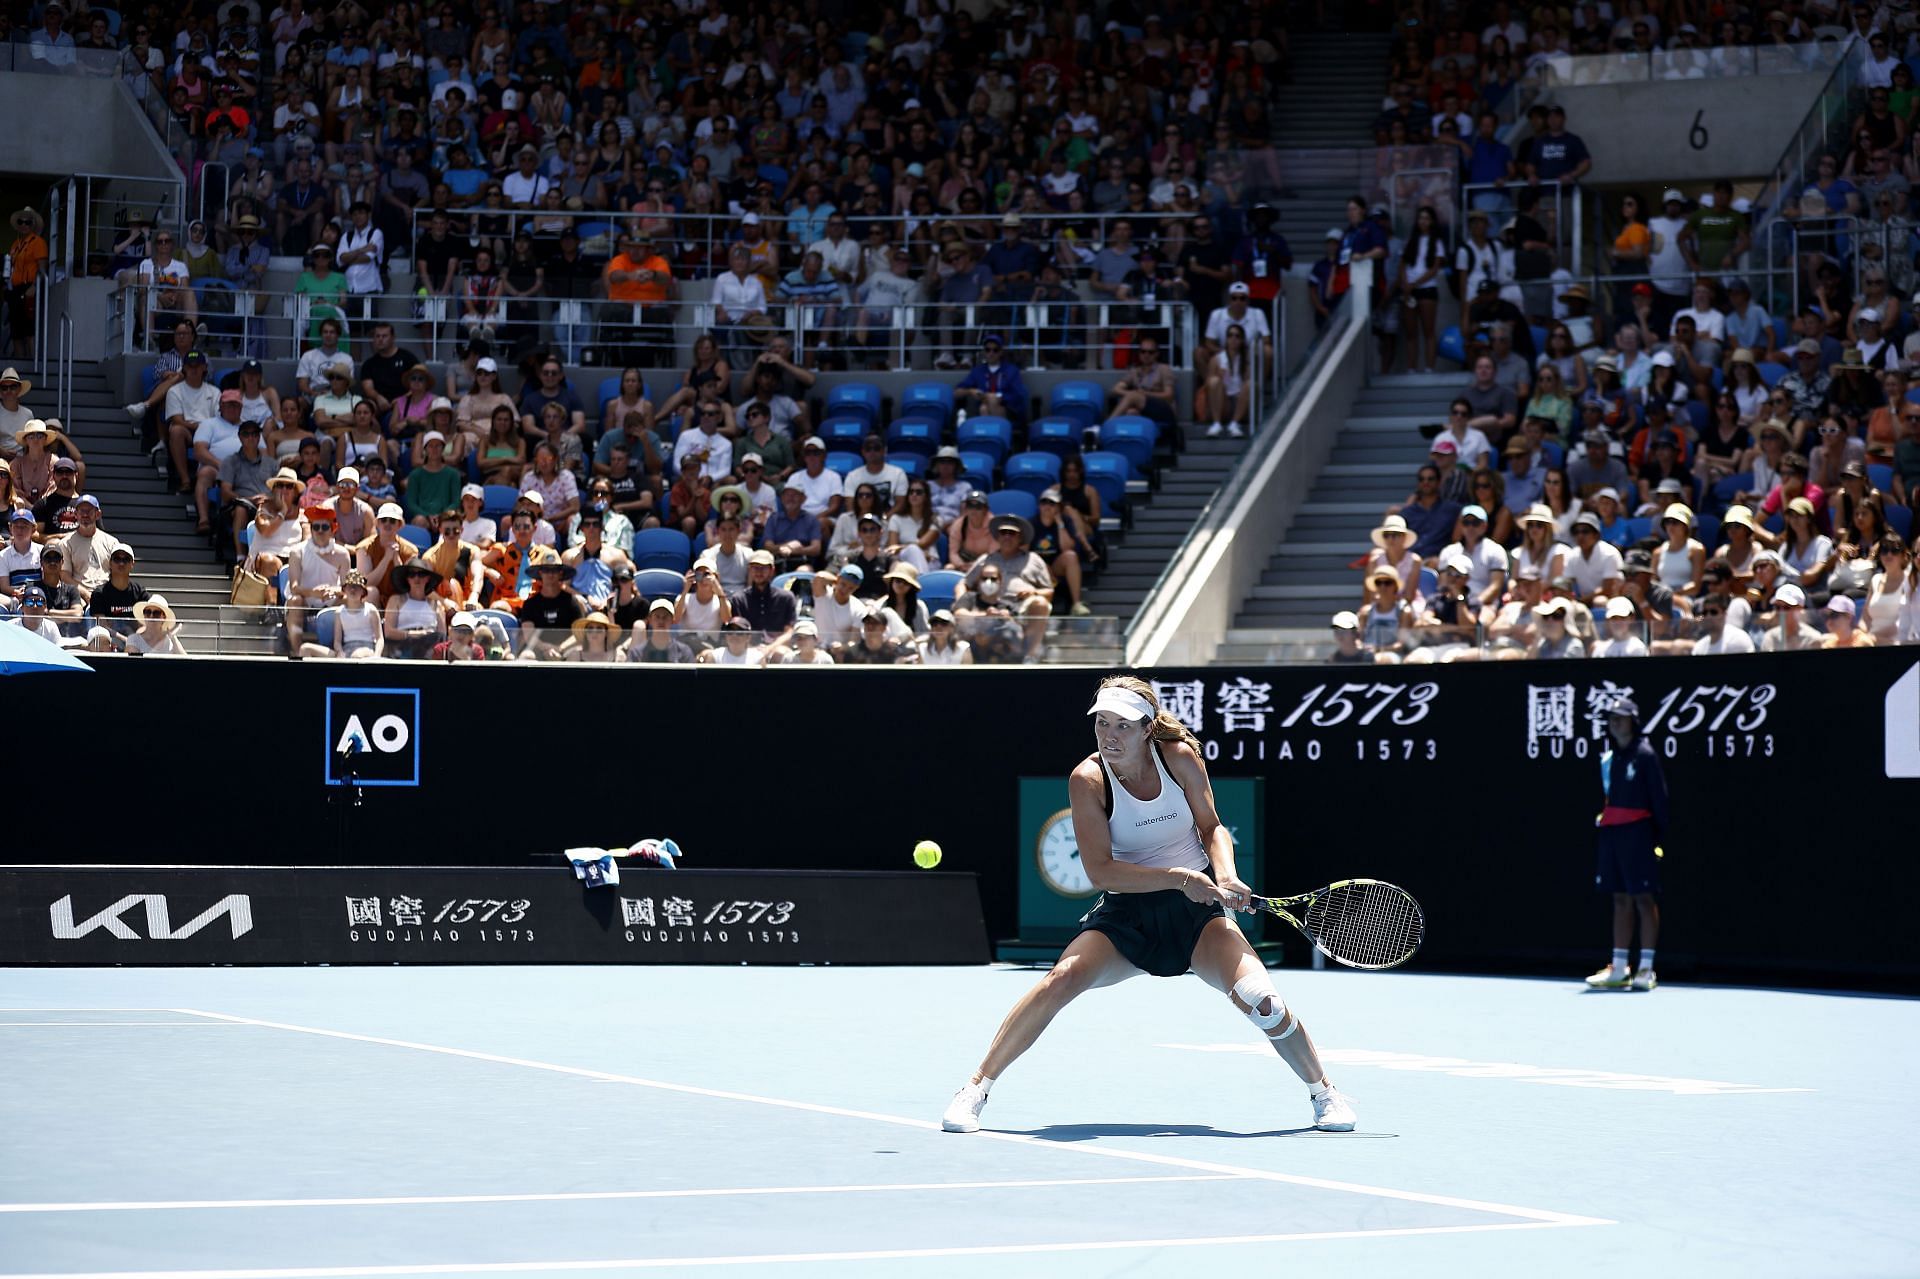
926, 854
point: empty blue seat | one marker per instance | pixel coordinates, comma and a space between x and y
1059, 436
917, 435
938, 588
1429, 582
1880, 475
856, 400
1771, 373
1133, 436
1727, 489
324, 624
992, 435
666, 548
659, 583
413, 533
976, 468
1638, 527
1706, 528
1453, 345
1539, 336
499, 500
844, 432
1697, 414
843, 463
1107, 475
914, 464
928, 399
1013, 502
1900, 519
1084, 402
1033, 472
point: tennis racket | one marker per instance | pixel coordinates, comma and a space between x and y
1362, 923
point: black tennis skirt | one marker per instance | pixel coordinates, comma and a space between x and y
1156, 932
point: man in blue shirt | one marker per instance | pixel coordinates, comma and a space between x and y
1558, 156
994, 385
1491, 162
964, 280
1430, 517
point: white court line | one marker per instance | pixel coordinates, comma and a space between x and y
383, 1201
765, 1259
1538, 1215
208, 1024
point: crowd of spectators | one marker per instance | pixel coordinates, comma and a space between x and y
62, 574
558, 174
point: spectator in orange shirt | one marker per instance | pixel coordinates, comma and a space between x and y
639, 293
28, 254
509, 566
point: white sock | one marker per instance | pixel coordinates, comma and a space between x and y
1646, 960
1620, 959
1320, 1090
985, 1085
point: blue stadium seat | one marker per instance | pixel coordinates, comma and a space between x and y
1880, 475
1429, 582
1107, 474
666, 548
1133, 436
1638, 527
800, 582
859, 400
1033, 472
1900, 519
1782, 335
1771, 373
927, 399
498, 503
1539, 336
843, 463
1697, 414
938, 588
1059, 436
610, 391
976, 468
420, 537
992, 435
844, 433
1555, 452
659, 583
324, 624
1084, 402
1707, 529
917, 435
1453, 344
1013, 502
1719, 380
914, 464
509, 624
1726, 490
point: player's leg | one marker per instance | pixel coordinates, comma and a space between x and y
1223, 959
1089, 962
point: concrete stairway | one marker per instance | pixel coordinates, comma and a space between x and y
1372, 468
1339, 82
138, 507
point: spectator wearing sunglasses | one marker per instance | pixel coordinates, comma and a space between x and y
993, 386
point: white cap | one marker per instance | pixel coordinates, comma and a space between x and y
473, 490
1475, 511
1346, 621
510, 100
1460, 563
391, 511
751, 219
461, 619
1123, 702
1672, 195
486, 364
1663, 359
347, 475
1619, 606
1335, 233
1791, 596
430, 437
1868, 315
1238, 289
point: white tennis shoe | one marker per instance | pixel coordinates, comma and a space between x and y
1332, 1112
963, 1112
1646, 980
1609, 978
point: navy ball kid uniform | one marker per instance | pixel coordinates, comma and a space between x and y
1633, 820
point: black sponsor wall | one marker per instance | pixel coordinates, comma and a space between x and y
1474, 786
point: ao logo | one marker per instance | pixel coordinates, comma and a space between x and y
390, 734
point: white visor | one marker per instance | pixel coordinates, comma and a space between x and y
1123, 702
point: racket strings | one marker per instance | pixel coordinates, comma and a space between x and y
1369, 925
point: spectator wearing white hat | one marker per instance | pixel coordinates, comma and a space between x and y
1347, 650
1553, 637
158, 635
1667, 263
1393, 550
476, 528
736, 646
942, 645
1594, 565
1488, 580
1515, 623
653, 641
1789, 631
380, 558
1718, 634
800, 647
1841, 630
1446, 624
1622, 634
1384, 617
432, 486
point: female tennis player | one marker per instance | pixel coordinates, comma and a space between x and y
1150, 839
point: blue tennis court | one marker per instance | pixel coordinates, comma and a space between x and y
475, 1121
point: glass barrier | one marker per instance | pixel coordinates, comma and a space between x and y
981, 639
1645, 66
1072, 332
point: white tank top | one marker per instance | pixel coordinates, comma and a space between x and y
1156, 832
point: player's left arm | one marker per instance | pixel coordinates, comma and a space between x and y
1186, 768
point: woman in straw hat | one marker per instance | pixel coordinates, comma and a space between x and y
1538, 547
592, 639
1681, 560
1738, 550
158, 634
27, 256
1393, 549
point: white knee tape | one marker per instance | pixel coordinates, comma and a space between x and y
1256, 990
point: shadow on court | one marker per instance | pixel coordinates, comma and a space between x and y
1093, 1132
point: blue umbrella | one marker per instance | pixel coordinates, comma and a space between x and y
22, 651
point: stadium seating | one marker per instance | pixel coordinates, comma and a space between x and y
1032, 472
991, 435
860, 401
977, 468
662, 548
1133, 437
1082, 402
844, 433
1013, 502
913, 435
498, 502
932, 400
843, 463
939, 587
659, 583
1059, 436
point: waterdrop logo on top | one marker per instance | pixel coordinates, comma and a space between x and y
373, 736
1902, 730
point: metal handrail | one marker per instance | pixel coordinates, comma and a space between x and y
64, 401
1344, 317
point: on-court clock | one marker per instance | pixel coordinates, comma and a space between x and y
1056, 854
